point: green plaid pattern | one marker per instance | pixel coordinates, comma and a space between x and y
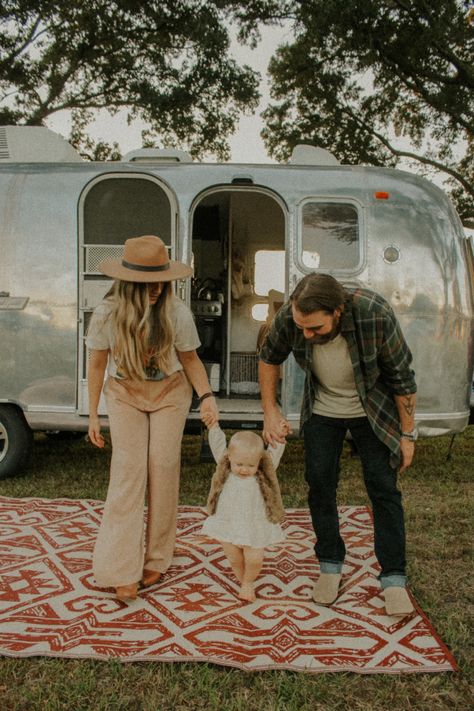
379, 354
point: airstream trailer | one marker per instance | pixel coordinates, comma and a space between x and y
251, 232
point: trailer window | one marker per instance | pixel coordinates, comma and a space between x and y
118, 208
330, 236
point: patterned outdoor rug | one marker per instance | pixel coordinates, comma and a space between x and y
50, 606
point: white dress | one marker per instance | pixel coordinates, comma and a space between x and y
240, 516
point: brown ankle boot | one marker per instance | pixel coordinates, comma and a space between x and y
125, 593
150, 577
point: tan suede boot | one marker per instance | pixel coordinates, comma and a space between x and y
397, 602
150, 577
326, 588
125, 593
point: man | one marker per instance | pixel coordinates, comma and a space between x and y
358, 378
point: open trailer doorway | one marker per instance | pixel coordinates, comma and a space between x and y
239, 256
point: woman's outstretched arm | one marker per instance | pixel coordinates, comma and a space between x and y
95, 381
197, 376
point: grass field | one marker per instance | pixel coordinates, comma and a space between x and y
439, 505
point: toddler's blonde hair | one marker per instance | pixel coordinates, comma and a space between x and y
246, 440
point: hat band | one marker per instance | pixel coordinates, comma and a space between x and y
141, 268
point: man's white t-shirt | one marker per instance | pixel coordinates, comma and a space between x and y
337, 394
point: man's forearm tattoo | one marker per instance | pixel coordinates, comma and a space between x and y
408, 404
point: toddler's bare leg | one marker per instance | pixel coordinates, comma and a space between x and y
253, 561
235, 556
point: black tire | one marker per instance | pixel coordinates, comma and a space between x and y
16, 439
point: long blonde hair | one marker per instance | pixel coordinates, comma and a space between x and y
143, 332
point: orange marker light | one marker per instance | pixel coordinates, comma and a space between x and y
381, 195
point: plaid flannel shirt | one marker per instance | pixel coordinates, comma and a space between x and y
379, 354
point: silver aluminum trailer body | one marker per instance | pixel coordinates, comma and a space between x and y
389, 230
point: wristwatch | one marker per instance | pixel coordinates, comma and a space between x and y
411, 436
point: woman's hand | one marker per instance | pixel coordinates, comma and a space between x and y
209, 412
197, 376
95, 381
94, 432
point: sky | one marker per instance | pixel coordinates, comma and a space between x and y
246, 144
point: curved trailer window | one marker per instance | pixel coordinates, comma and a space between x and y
329, 236
118, 208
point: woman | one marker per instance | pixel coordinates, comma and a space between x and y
147, 340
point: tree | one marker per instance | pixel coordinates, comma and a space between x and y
375, 82
164, 61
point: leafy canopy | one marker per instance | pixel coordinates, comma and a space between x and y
164, 61
375, 82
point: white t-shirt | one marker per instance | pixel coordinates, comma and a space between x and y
337, 394
100, 334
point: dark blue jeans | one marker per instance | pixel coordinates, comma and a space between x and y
324, 438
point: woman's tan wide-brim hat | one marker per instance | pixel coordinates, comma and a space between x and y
145, 259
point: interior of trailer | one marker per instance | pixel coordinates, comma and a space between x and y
238, 246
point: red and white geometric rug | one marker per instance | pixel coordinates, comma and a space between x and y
50, 606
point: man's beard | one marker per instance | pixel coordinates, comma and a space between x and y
317, 340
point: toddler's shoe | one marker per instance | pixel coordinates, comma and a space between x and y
150, 577
397, 601
326, 588
125, 593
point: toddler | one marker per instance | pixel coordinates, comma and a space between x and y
244, 503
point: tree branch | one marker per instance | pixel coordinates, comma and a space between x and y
28, 40
416, 86
409, 154
463, 67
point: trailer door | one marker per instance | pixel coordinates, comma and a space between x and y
113, 208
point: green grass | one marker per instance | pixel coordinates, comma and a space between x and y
439, 506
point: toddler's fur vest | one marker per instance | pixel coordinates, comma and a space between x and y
267, 481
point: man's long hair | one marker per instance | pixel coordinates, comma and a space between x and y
141, 331
318, 292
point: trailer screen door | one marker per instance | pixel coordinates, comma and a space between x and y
112, 209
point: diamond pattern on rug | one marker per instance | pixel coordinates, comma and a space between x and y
50, 605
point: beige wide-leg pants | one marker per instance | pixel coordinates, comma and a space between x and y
146, 425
